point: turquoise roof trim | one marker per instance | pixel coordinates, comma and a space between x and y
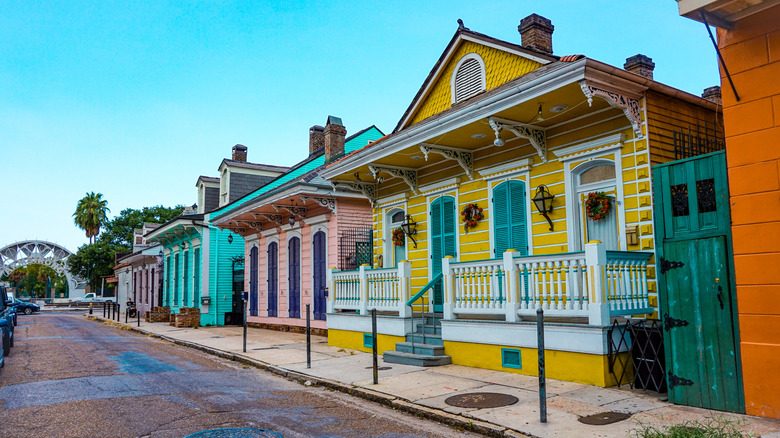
354, 143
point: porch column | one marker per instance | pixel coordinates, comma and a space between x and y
404, 283
512, 303
331, 289
448, 284
596, 259
363, 289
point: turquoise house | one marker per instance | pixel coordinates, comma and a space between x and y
203, 266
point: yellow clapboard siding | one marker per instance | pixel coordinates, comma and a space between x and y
500, 67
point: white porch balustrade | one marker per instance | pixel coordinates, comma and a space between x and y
594, 283
364, 289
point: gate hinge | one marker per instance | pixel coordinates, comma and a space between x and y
667, 265
670, 323
678, 381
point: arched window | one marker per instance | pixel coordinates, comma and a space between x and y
598, 176
395, 253
468, 78
253, 274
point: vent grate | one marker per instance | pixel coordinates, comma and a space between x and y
511, 358
468, 80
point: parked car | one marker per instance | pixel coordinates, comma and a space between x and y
7, 315
92, 298
25, 307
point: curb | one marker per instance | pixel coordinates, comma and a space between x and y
394, 402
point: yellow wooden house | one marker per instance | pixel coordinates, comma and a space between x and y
480, 208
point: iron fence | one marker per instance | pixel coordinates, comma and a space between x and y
698, 142
355, 248
636, 354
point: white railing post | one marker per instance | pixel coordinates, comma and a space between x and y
331, 289
512, 302
404, 285
363, 289
595, 260
448, 286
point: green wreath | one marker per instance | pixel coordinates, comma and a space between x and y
597, 205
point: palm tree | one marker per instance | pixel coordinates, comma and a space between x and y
90, 214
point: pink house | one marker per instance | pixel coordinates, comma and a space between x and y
296, 227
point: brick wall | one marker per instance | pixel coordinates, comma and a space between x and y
751, 51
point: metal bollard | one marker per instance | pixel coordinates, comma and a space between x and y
373, 343
308, 337
138, 315
104, 310
542, 383
90, 308
126, 315
118, 311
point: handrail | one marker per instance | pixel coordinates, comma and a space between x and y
425, 289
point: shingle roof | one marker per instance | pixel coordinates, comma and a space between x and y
304, 171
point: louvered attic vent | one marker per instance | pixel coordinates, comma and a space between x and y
469, 80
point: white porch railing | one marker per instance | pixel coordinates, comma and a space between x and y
383, 289
594, 283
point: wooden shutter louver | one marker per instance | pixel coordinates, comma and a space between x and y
468, 80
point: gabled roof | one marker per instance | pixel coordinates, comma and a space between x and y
465, 34
253, 166
305, 171
207, 179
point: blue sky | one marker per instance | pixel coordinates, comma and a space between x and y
136, 99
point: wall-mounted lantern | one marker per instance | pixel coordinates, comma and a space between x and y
291, 220
543, 200
409, 228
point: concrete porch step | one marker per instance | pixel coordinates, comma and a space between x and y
420, 338
417, 348
428, 329
420, 360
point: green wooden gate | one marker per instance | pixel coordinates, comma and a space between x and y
695, 285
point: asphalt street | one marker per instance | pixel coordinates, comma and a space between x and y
71, 377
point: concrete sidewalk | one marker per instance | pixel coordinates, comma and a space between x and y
422, 391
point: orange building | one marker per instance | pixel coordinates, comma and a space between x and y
748, 39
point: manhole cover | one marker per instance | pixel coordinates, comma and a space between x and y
481, 400
235, 432
380, 368
604, 418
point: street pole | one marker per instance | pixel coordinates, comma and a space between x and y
308, 337
138, 315
542, 383
244, 296
373, 344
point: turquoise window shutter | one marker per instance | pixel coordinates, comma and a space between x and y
501, 234
436, 245
510, 227
448, 226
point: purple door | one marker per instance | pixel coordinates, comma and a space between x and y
273, 279
294, 276
320, 256
253, 281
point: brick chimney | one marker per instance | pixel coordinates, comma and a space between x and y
536, 33
641, 65
239, 153
316, 138
712, 94
335, 134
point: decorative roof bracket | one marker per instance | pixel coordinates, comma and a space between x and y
408, 175
325, 202
277, 218
534, 134
366, 188
292, 209
464, 157
629, 105
255, 225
